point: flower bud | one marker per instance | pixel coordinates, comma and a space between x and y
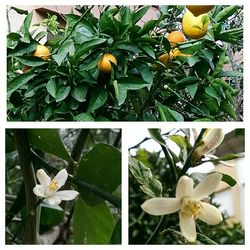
211, 139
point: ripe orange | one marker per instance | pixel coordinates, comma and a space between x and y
195, 27
105, 65
175, 37
42, 52
199, 9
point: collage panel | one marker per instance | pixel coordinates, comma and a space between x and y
63, 186
186, 186
125, 63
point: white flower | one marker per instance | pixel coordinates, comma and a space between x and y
48, 188
188, 203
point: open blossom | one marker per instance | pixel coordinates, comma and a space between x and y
188, 203
48, 189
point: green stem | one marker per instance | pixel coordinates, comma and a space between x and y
96, 190
171, 163
31, 226
157, 229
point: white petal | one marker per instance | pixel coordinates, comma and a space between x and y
207, 186
43, 178
67, 195
210, 214
61, 178
39, 190
213, 138
161, 206
188, 228
53, 200
184, 187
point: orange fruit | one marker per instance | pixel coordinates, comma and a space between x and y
42, 52
199, 9
175, 37
195, 27
164, 58
105, 63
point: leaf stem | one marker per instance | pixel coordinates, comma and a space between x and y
157, 229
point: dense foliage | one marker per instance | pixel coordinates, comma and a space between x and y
69, 86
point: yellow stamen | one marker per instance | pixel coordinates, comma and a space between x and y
191, 208
53, 185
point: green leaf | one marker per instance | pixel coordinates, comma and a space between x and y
149, 185
192, 89
48, 140
25, 28
213, 93
116, 237
51, 215
65, 49
231, 74
146, 73
19, 11
129, 83
96, 167
226, 13
97, 99
228, 109
188, 80
31, 61
147, 27
23, 48
18, 82
156, 135
51, 87
79, 93
181, 142
87, 46
62, 93
229, 180
136, 16
84, 117
148, 49
92, 225
169, 114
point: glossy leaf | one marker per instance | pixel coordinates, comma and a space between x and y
84, 117
96, 167
116, 237
48, 140
31, 61
62, 92
51, 87
18, 82
97, 99
79, 93
92, 225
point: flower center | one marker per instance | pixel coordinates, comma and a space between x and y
53, 185
191, 208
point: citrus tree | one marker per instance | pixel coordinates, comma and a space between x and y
181, 65
58, 186
168, 203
